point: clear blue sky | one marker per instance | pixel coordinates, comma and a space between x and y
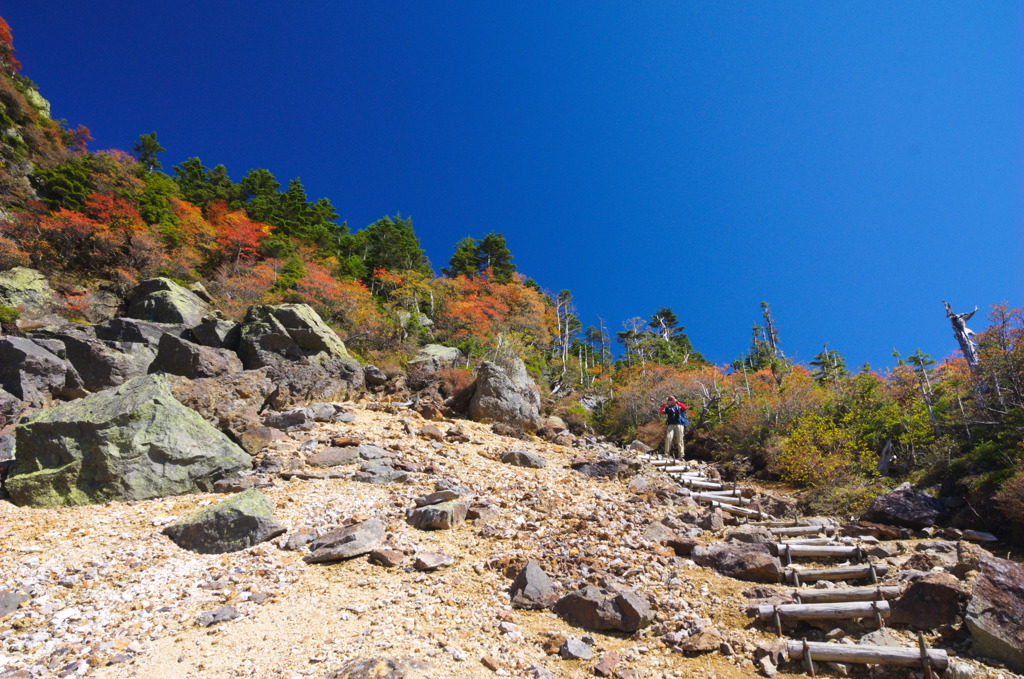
853, 164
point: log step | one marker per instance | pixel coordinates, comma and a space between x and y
825, 611
802, 530
872, 655
708, 497
697, 483
790, 551
820, 596
801, 575
736, 510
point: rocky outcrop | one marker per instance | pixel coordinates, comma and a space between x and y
995, 614
102, 364
599, 610
218, 333
131, 443
178, 356
936, 599
164, 301
507, 397
905, 506
137, 331
241, 521
31, 373
287, 332
26, 289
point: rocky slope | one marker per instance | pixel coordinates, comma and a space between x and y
101, 591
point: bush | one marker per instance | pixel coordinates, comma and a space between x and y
818, 453
9, 315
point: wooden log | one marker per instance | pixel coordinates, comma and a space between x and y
721, 498
841, 573
801, 530
871, 655
820, 596
737, 510
697, 483
809, 541
826, 551
726, 492
825, 611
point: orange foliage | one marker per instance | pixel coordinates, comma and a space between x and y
237, 288
483, 308
238, 238
7, 47
347, 303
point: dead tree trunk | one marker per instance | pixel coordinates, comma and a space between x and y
963, 335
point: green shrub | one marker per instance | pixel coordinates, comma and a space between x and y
9, 315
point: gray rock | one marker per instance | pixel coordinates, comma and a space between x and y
321, 412
523, 458
659, 532
346, 543
177, 356
222, 614
370, 452
436, 497
905, 507
740, 561
438, 517
135, 442
755, 535
31, 373
882, 637
374, 376
575, 649
28, 289
10, 601
995, 614
103, 364
435, 356
381, 475
532, 588
384, 668
164, 301
506, 397
240, 521
289, 420
606, 469
599, 610
454, 486
714, 521
218, 333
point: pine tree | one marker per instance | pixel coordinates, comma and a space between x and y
146, 150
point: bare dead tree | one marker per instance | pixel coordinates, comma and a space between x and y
963, 335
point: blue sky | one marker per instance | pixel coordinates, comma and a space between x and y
852, 164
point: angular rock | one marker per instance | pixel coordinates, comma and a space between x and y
27, 289
599, 610
31, 373
346, 543
437, 497
606, 469
431, 432
217, 333
706, 641
523, 458
289, 420
438, 517
317, 379
103, 364
240, 521
177, 356
755, 535
291, 332
371, 452
575, 649
506, 397
968, 558
995, 614
936, 599
163, 301
131, 443
605, 667
10, 601
431, 561
389, 558
333, 457
532, 589
741, 561
905, 507
432, 357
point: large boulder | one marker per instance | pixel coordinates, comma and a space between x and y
936, 599
346, 543
137, 331
26, 289
131, 443
323, 379
241, 521
431, 357
509, 397
31, 373
742, 561
532, 588
10, 408
164, 301
232, 403
905, 506
178, 356
601, 611
271, 334
218, 333
995, 614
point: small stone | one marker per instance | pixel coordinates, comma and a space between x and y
222, 614
575, 649
607, 664
431, 561
490, 663
389, 558
767, 667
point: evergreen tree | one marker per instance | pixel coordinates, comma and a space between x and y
465, 261
389, 243
829, 366
146, 150
474, 256
200, 185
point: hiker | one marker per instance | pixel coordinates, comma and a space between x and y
675, 425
